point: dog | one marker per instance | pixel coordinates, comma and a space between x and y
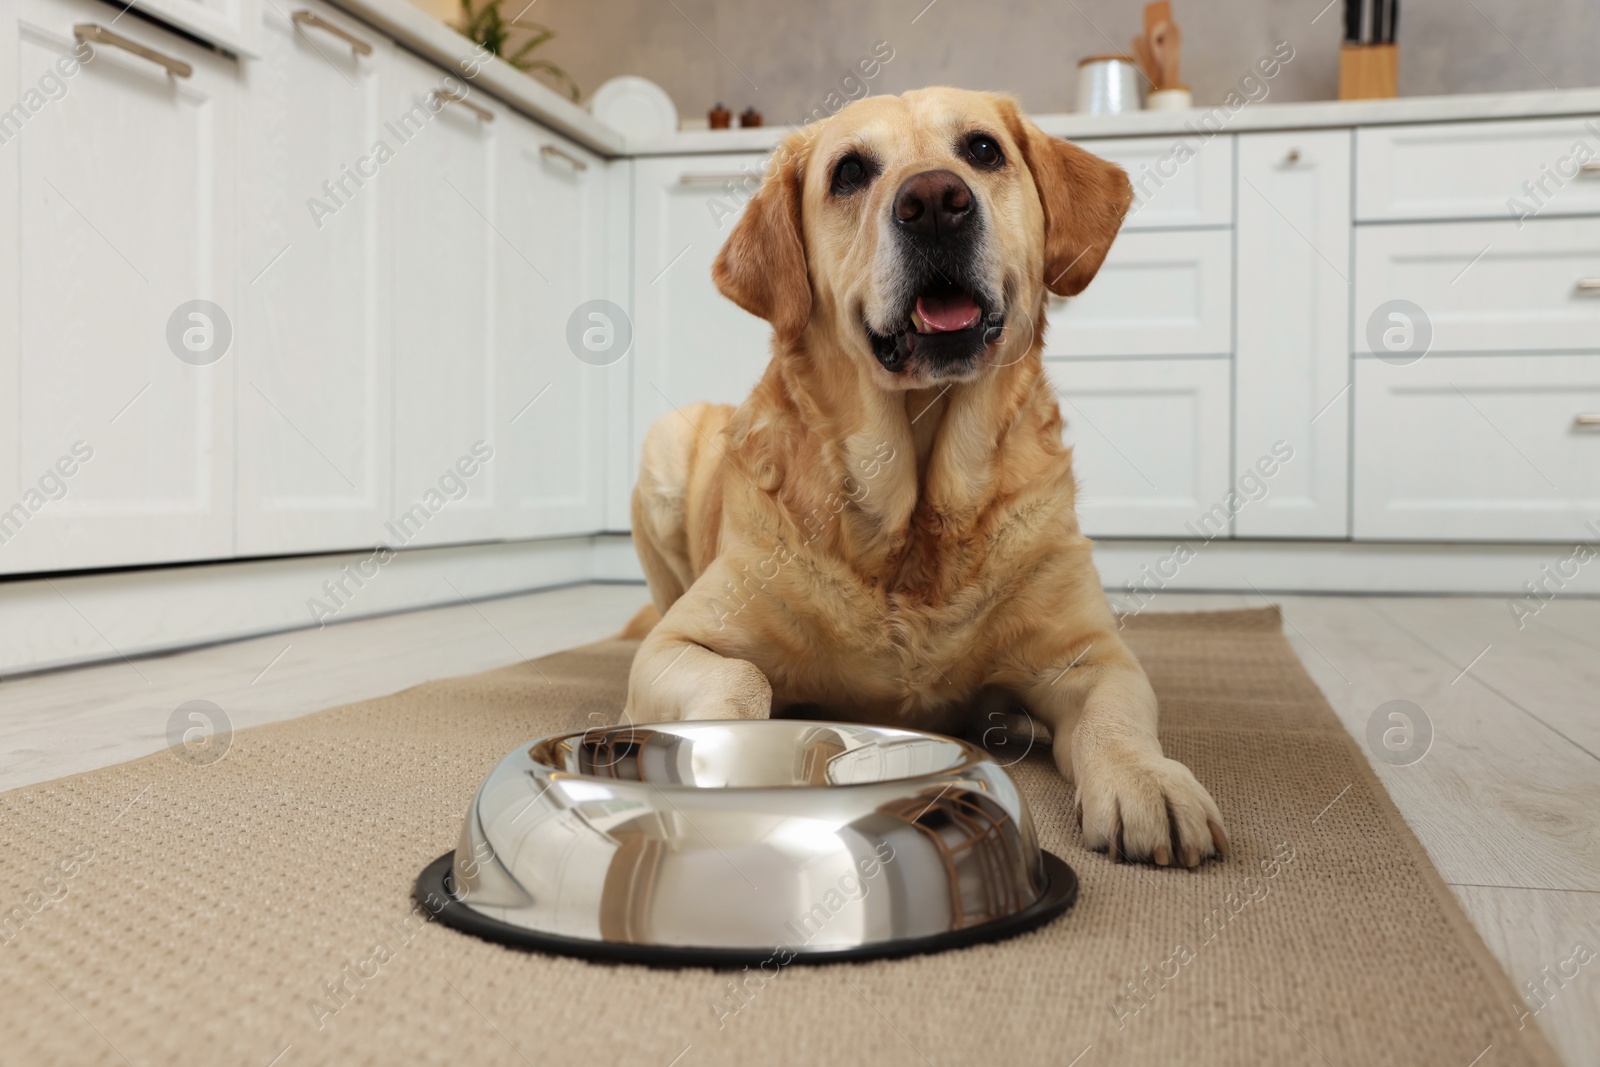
884, 531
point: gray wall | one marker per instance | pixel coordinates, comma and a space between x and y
793, 54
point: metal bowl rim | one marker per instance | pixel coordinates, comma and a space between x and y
973, 757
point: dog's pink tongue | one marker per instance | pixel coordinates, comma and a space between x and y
945, 313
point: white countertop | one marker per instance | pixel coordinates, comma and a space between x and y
427, 36
1264, 116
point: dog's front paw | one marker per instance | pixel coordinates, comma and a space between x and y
733, 689
1147, 807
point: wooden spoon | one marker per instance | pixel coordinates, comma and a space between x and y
1165, 41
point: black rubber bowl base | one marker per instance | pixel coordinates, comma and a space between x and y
434, 893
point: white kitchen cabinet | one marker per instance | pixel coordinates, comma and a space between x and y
1159, 293
1479, 286
690, 342
1177, 181
449, 282
550, 434
315, 310
1149, 444
1292, 355
399, 362
500, 236
1478, 448
125, 185
1488, 170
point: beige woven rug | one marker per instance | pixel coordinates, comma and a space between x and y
257, 911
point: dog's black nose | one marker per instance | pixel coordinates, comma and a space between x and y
932, 204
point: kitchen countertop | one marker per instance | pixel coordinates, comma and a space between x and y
1264, 116
427, 36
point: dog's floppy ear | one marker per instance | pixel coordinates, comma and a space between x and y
1084, 199
762, 267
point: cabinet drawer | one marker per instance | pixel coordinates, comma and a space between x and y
1176, 181
1478, 448
1158, 294
1479, 169
1149, 442
1481, 286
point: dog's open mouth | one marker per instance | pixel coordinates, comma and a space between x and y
945, 310
945, 324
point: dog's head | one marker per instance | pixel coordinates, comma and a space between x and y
918, 233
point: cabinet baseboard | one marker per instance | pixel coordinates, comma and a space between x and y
75, 619
69, 620
1139, 570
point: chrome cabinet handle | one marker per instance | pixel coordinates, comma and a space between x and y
549, 150
716, 177
1589, 285
446, 96
1586, 420
311, 18
95, 34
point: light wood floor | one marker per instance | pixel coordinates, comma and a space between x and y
1507, 800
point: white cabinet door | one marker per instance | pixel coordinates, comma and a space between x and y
1293, 349
1149, 444
618, 259
1176, 181
550, 433
1478, 287
313, 339
501, 237
1478, 448
125, 185
1157, 294
691, 343
449, 278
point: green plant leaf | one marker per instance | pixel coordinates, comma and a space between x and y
487, 27
531, 43
555, 72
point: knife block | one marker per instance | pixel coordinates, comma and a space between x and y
1369, 71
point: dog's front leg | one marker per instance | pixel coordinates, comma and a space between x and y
676, 674
1132, 801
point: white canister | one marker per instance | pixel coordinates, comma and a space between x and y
1174, 99
1107, 85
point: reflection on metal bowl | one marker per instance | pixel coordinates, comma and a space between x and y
747, 841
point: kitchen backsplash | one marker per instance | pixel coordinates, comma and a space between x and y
786, 58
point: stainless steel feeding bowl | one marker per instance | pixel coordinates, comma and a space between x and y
728, 843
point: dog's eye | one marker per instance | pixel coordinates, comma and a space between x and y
851, 173
984, 151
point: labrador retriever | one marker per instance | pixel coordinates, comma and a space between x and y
884, 530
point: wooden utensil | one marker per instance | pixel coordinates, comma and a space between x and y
1156, 50
1165, 41
1155, 14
